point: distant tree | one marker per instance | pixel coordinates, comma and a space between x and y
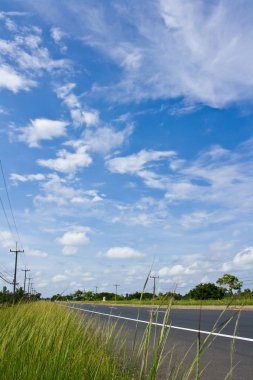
206, 291
175, 296
231, 282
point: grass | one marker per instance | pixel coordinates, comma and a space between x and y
190, 302
46, 341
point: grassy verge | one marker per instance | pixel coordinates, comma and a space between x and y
46, 341
189, 302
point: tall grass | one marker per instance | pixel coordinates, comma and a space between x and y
46, 341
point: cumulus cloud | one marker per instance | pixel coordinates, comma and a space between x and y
42, 129
123, 253
11, 80
68, 162
57, 190
74, 239
104, 139
242, 260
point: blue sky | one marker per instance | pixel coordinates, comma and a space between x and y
126, 141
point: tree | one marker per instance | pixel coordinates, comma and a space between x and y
206, 292
231, 282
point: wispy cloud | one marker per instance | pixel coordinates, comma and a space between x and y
169, 49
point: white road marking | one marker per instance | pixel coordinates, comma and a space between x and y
156, 311
169, 326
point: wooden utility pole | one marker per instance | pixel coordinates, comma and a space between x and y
25, 270
154, 287
16, 251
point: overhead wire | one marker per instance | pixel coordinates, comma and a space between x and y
9, 201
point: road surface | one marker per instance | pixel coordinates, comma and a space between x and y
184, 328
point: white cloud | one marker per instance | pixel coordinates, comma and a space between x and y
221, 246
79, 114
242, 260
135, 163
35, 253
14, 81
14, 177
57, 34
6, 239
91, 118
104, 139
74, 239
123, 253
59, 278
42, 129
57, 190
68, 162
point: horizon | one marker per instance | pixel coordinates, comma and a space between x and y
126, 143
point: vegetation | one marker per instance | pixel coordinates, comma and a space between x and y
6, 297
204, 293
231, 282
45, 341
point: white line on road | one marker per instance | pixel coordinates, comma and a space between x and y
169, 326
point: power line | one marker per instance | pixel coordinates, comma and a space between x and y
6, 217
9, 201
4, 279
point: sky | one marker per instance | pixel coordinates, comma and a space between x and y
126, 136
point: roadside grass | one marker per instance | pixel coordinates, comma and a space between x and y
48, 341
190, 302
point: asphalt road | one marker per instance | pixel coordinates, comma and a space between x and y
184, 328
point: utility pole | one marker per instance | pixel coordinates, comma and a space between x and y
25, 270
29, 286
116, 288
154, 277
16, 251
96, 287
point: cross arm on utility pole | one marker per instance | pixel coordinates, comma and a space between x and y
16, 251
116, 288
154, 287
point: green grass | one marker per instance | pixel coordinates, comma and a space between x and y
190, 302
47, 341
